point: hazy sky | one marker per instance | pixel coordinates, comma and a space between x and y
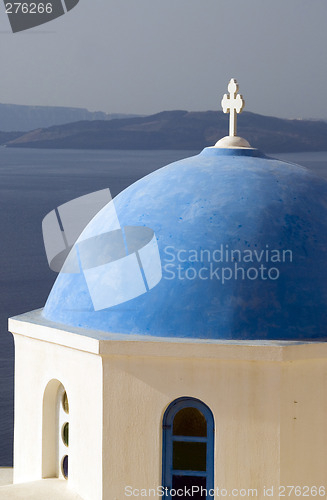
145, 56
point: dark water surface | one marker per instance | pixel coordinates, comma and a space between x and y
34, 182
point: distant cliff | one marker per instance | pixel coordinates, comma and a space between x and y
179, 130
9, 136
23, 118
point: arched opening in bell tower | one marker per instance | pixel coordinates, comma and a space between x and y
55, 431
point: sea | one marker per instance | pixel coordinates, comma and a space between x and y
32, 183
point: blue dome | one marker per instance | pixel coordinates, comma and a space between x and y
242, 240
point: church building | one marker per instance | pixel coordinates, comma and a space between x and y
187, 352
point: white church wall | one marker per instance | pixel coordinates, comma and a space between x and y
304, 423
269, 402
37, 363
244, 397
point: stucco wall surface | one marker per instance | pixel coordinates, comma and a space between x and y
36, 364
269, 402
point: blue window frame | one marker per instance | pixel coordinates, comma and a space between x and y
188, 447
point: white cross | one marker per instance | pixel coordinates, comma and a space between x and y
232, 104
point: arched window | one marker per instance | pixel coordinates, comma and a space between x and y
55, 432
188, 448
